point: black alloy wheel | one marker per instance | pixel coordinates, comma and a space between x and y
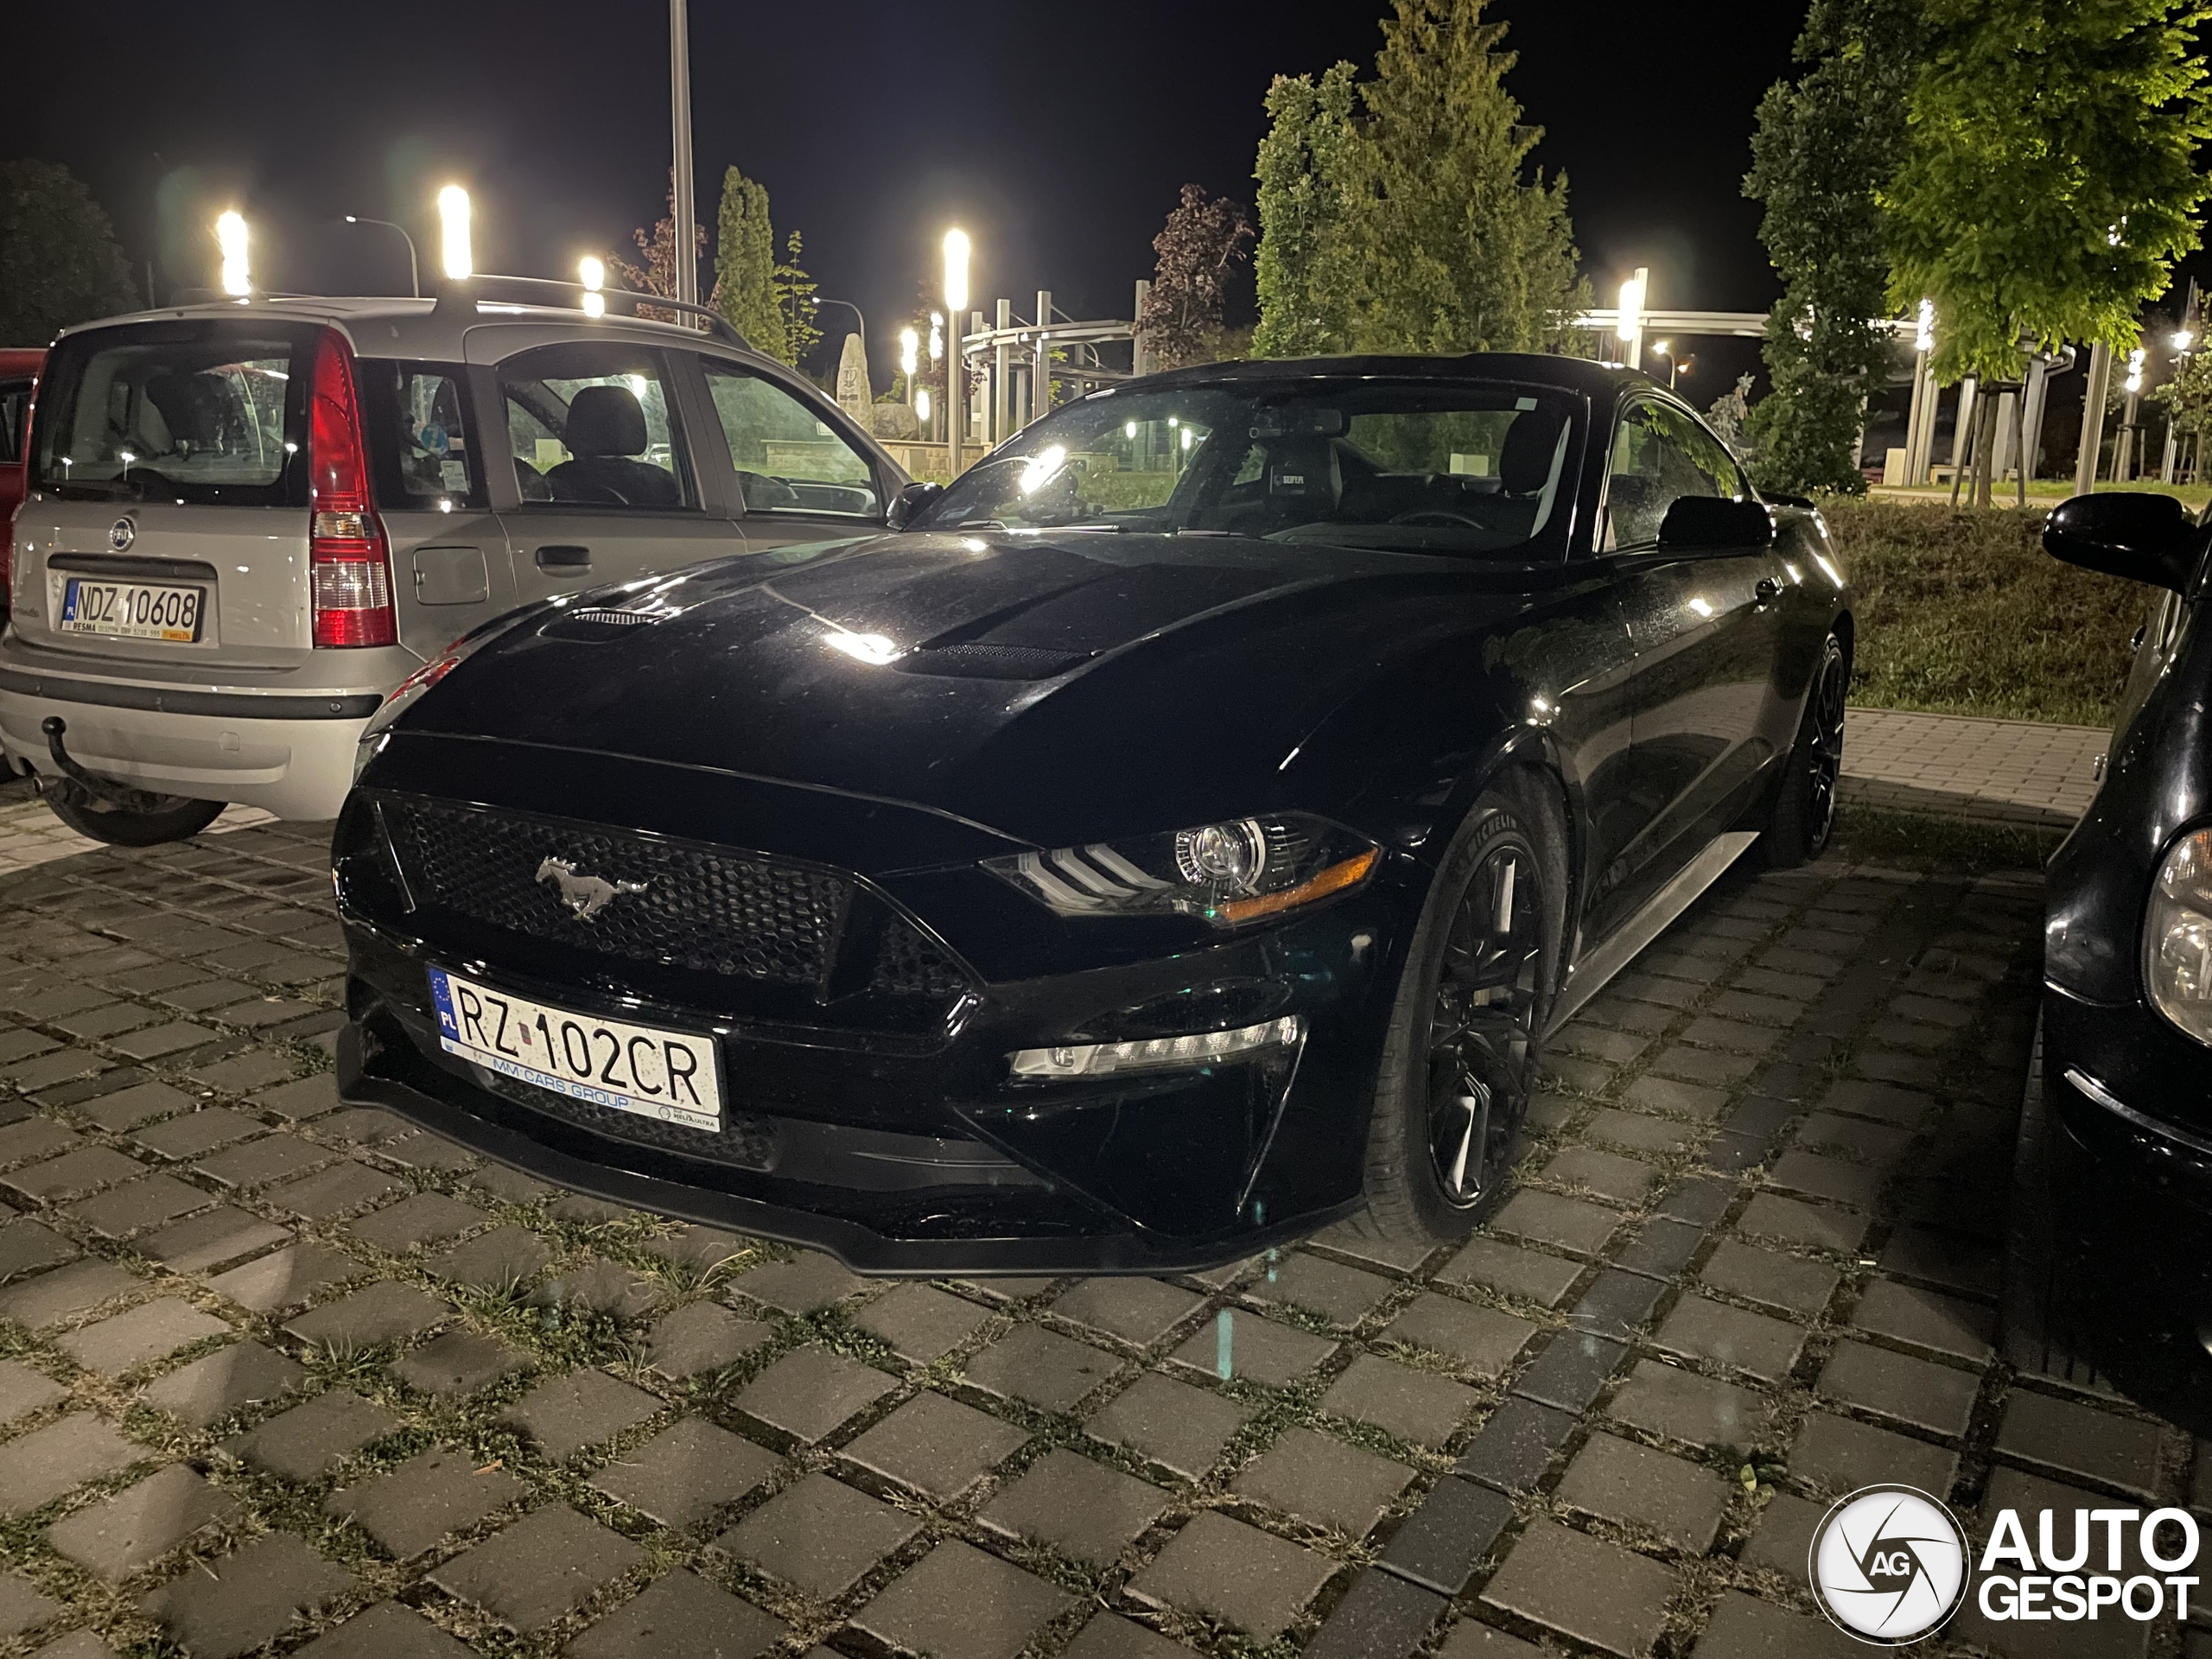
1483, 1025
1804, 805
1824, 765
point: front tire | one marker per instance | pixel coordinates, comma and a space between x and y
1804, 806
149, 822
1460, 1058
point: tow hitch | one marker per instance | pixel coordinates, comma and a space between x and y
105, 794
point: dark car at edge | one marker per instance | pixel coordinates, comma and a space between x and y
1178, 835
2127, 1069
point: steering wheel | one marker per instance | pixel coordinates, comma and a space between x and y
1438, 517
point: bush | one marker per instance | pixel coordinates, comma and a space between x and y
1964, 613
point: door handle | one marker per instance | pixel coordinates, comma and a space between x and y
1767, 591
564, 559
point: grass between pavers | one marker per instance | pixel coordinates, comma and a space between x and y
1917, 840
1962, 613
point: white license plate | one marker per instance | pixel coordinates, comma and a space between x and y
130, 610
670, 1075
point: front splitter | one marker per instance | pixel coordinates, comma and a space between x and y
861, 1249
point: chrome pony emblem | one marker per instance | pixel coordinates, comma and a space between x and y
121, 534
586, 895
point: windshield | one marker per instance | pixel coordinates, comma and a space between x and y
1470, 468
198, 410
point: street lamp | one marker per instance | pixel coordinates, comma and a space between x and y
453, 221
414, 268
956, 372
1630, 325
910, 358
1660, 348
592, 272
230, 237
822, 300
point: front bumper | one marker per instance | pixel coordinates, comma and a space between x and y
2134, 1093
910, 1151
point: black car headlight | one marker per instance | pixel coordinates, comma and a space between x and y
1227, 874
2177, 937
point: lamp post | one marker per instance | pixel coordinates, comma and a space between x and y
955, 364
1660, 348
231, 238
1629, 327
910, 360
687, 238
456, 254
413, 266
591, 271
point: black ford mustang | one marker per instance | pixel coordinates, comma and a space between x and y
1179, 835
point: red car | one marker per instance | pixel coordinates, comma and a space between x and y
18, 375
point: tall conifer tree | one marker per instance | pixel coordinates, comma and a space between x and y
1825, 147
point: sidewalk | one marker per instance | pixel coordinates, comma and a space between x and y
2010, 771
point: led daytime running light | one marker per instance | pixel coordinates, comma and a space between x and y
1156, 1053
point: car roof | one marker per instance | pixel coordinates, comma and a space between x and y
1542, 368
431, 329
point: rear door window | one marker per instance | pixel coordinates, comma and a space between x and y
593, 425
788, 458
207, 412
421, 434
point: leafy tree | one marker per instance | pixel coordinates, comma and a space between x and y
1469, 251
1311, 201
1825, 147
59, 261
658, 274
1402, 214
2187, 398
744, 264
1202, 239
794, 294
2050, 179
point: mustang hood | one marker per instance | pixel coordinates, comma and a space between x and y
1043, 685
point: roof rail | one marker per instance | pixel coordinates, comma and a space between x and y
467, 293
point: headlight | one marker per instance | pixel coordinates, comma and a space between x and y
1227, 874
2177, 937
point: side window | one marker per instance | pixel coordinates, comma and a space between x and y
1660, 456
421, 435
592, 425
787, 459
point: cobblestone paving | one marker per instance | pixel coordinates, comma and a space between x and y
2016, 772
276, 1375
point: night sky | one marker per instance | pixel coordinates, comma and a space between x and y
1057, 135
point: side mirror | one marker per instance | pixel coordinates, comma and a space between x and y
2137, 535
1707, 521
911, 502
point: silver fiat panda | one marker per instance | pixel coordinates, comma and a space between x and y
245, 523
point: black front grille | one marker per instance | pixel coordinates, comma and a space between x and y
660, 902
906, 964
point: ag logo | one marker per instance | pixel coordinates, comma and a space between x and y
1889, 1565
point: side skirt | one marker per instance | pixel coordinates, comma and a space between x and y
1596, 969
